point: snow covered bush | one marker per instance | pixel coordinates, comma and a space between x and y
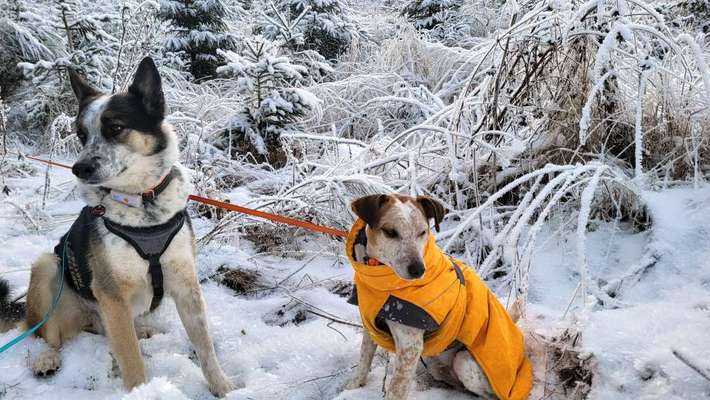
430, 14
198, 32
22, 40
273, 102
140, 35
288, 38
695, 13
39, 41
87, 44
321, 25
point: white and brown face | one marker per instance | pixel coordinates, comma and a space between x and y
397, 230
125, 140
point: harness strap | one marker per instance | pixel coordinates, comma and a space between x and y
72, 250
151, 243
459, 273
156, 280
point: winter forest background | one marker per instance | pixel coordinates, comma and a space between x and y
570, 141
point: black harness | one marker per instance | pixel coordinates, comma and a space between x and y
150, 243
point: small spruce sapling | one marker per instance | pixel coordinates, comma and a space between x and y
198, 31
430, 14
273, 104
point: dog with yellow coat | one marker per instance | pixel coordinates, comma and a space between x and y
416, 301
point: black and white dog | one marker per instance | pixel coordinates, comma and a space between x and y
132, 243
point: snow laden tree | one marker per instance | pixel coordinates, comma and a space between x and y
199, 30
430, 14
689, 13
288, 37
22, 39
44, 38
79, 38
273, 102
321, 25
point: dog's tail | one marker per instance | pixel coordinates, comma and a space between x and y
10, 312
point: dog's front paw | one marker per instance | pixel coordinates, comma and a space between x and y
47, 363
220, 387
133, 378
356, 381
147, 332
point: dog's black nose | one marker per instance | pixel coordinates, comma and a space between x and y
416, 269
85, 169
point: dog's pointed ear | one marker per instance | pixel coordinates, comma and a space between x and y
369, 208
148, 87
82, 89
432, 210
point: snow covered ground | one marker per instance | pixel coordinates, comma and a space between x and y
272, 357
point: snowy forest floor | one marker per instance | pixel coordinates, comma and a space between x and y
269, 343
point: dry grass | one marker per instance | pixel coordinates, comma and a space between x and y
241, 281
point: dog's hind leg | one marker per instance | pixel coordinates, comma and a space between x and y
471, 375
367, 353
191, 307
144, 331
67, 320
439, 366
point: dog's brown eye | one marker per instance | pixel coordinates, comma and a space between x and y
390, 233
116, 129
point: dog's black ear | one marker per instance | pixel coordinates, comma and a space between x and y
432, 210
147, 86
81, 88
369, 208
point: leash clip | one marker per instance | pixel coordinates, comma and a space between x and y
98, 211
149, 195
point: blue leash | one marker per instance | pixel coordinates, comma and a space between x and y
55, 302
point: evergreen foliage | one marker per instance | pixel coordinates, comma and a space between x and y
429, 14
321, 26
273, 104
199, 30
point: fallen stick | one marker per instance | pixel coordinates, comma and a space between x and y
704, 372
334, 319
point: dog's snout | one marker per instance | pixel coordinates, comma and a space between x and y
415, 269
85, 169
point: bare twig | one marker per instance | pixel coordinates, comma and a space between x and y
704, 372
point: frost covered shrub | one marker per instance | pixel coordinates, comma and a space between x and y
322, 24
199, 30
288, 38
87, 44
21, 41
140, 34
575, 83
695, 13
273, 103
429, 14
44, 38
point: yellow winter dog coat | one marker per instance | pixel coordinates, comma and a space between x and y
453, 305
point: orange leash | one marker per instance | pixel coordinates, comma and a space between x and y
271, 217
48, 162
243, 210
